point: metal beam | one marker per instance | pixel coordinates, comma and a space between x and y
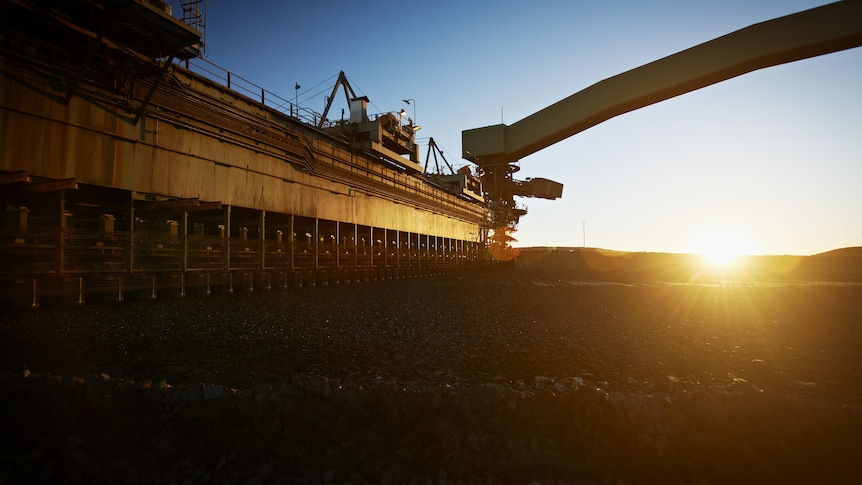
164, 70
85, 65
811, 33
42, 187
20, 176
169, 204
348, 93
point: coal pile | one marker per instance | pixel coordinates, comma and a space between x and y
504, 375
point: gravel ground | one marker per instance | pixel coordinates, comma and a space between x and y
504, 375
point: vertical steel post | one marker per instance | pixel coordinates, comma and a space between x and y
373, 248
35, 302
409, 243
291, 237
185, 233
226, 241
316, 243
261, 234
61, 243
385, 249
338, 246
131, 233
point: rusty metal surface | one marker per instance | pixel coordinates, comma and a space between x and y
123, 174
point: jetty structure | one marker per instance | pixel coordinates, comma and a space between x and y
130, 164
124, 169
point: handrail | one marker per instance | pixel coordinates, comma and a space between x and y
237, 83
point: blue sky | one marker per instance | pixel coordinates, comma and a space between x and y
771, 160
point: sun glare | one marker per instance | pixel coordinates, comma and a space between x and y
722, 247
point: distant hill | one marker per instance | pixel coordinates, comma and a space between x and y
843, 252
841, 265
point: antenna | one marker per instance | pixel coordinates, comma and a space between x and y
584, 225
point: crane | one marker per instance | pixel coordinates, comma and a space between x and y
496, 149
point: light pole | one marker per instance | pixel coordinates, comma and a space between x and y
296, 98
584, 226
412, 102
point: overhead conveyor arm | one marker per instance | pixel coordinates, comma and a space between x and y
810, 33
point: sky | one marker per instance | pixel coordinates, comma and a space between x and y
769, 162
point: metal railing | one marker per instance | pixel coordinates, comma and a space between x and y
251, 90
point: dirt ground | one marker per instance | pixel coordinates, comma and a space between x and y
512, 374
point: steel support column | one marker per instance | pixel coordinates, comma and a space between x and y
185, 246
226, 237
261, 234
290, 243
316, 247
61, 243
337, 249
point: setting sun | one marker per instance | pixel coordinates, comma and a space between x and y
722, 247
